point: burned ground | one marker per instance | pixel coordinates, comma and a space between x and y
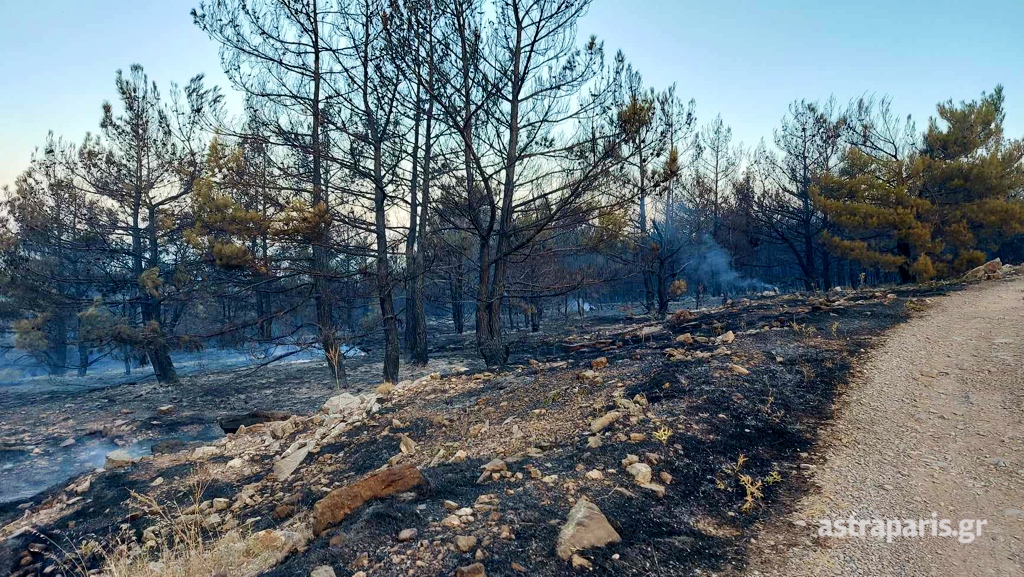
725, 426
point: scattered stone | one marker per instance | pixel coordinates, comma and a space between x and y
637, 437
727, 338
599, 363
83, 487
406, 445
68, 442
283, 468
595, 475
629, 460
585, 527
407, 535
474, 570
590, 376
355, 406
220, 504
665, 478
281, 429
339, 503
601, 423
641, 473
494, 467
742, 371
594, 442
685, 338
165, 410
658, 489
323, 571
465, 543
579, 562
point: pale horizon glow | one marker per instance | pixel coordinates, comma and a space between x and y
745, 60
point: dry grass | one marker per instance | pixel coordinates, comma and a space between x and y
176, 545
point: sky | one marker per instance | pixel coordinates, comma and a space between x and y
746, 60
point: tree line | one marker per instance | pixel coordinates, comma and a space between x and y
395, 159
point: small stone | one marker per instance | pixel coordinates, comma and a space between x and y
599, 363
685, 338
165, 410
595, 475
451, 522
579, 562
665, 478
739, 370
601, 423
465, 543
474, 570
407, 535
451, 505
658, 489
323, 571
220, 504
406, 445
594, 442
641, 473
68, 442
637, 437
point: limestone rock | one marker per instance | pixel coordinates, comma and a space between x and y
585, 527
287, 465
601, 423
641, 473
599, 363
474, 570
465, 543
323, 571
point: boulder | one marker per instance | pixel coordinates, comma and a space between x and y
323, 571
339, 503
585, 527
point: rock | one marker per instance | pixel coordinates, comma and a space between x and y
323, 571
665, 478
167, 446
465, 543
518, 568
590, 376
594, 442
493, 467
352, 405
279, 542
474, 570
233, 423
685, 338
118, 459
580, 562
658, 490
281, 429
68, 442
641, 473
601, 423
450, 505
406, 445
727, 338
459, 456
283, 511
220, 504
585, 527
339, 503
637, 437
204, 452
739, 370
407, 535
629, 460
599, 363
283, 468
595, 475
165, 410
212, 521
83, 487
451, 522
991, 269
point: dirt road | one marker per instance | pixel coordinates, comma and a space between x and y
935, 423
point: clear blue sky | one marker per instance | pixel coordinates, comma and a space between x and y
744, 59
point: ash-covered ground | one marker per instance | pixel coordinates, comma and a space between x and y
685, 434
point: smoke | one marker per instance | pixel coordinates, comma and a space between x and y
711, 265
